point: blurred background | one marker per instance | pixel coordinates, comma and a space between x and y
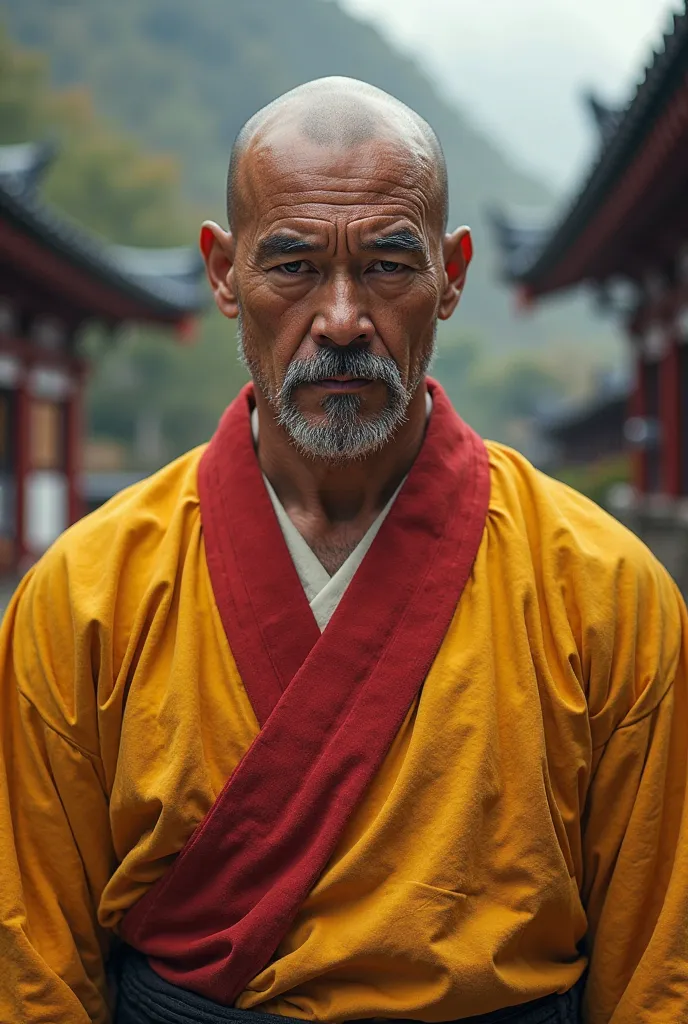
116, 121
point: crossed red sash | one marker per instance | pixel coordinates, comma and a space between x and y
328, 705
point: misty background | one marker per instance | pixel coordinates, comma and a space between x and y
519, 69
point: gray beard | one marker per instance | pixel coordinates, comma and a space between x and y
346, 434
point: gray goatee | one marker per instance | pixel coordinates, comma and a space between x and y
346, 433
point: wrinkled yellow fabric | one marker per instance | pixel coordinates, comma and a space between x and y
531, 811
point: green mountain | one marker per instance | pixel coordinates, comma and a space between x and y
183, 77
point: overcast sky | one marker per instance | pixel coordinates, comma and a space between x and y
520, 66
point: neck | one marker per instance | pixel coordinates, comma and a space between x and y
323, 497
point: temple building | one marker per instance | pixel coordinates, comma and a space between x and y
625, 235
55, 280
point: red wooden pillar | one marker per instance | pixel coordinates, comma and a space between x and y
73, 447
22, 467
638, 408
670, 418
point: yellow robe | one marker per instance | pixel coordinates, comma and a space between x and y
553, 724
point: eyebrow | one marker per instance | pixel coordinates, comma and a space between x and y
284, 245
404, 240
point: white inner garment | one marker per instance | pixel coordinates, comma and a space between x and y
324, 592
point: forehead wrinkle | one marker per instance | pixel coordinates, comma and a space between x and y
346, 199
385, 189
402, 198
316, 181
312, 181
289, 217
399, 175
368, 163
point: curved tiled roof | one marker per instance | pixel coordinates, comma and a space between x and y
621, 137
168, 282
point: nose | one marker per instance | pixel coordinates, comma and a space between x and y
341, 320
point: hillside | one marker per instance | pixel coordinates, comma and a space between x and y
183, 78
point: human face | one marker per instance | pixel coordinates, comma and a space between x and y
337, 263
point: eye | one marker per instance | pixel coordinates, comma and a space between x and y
387, 267
294, 267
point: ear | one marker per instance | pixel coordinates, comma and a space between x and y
457, 252
217, 249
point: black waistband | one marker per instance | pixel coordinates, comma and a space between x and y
146, 998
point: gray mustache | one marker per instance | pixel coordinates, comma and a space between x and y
335, 362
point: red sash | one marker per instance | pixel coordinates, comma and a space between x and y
329, 705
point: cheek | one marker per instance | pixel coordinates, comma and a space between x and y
406, 326
272, 308
277, 323
259, 302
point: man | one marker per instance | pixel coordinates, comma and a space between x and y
347, 714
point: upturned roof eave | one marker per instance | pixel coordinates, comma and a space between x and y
169, 296
534, 270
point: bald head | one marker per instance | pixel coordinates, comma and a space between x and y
339, 113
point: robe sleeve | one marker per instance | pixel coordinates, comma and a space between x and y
54, 827
635, 839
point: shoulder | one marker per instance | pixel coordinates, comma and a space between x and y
594, 580
561, 523
81, 606
131, 526
80, 611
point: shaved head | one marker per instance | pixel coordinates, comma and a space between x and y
338, 113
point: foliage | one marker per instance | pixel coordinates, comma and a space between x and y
22, 93
101, 177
